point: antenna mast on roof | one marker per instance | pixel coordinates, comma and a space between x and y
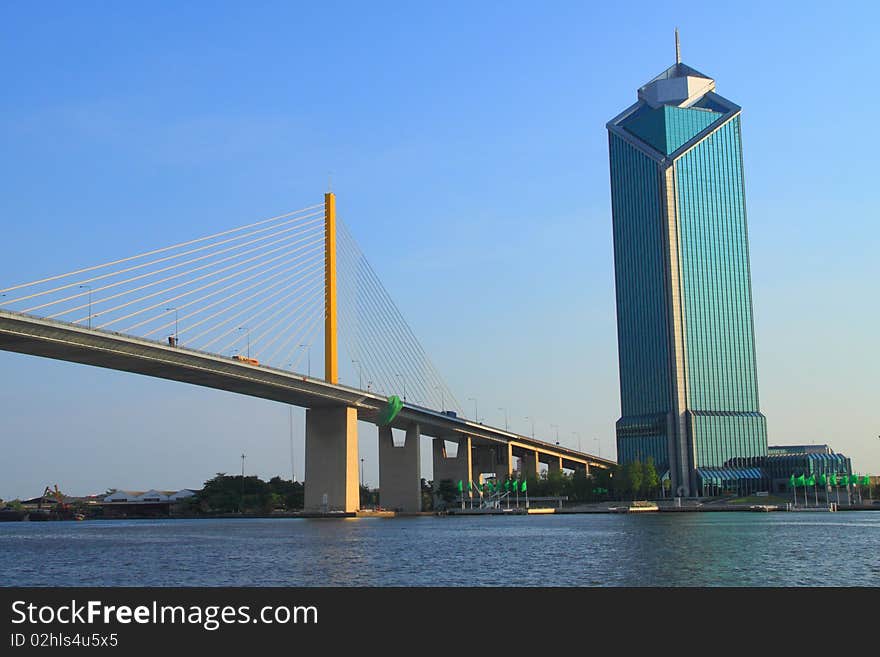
677, 48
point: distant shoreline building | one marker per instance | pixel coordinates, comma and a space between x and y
688, 378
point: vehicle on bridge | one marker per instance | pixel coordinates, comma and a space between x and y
245, 359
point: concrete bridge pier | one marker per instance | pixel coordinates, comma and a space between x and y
504, 456
530, 464
332, 459
454, 468
484, 460
457, 468
400, 477
554, 464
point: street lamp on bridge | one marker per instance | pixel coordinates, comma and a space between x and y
309, 357
360, 374
247, 328
556, 426
176, 333
90, 303
476, 415
241, 504
533, 425
506, 427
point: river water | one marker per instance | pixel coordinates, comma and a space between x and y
659, 549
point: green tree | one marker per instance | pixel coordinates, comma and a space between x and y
651, 478
427, 495
556, 483
445, 492
581, 486
634, 477
291, 492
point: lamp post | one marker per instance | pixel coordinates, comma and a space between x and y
578, 435
556, 426
362, 472
360, 374
476, 415
403, 384
309, 350
176, 333
90, 303
245, 328
506, 426
533, 425
241, 504
290, 424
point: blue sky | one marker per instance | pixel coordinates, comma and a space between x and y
468, 151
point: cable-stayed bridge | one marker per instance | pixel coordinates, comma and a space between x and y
260, 310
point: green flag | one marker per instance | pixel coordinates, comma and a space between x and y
460, 486
516, 485
800, 481
524, 484
792, 482
470, 487
844, 480
507, 485
833, 479
823, 480
811, 480
866, 481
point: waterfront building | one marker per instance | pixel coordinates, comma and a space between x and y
688, 378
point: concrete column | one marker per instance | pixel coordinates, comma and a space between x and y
455, 469
332, 459
554, 463
530, 465
504, 461
484, 460
400, 478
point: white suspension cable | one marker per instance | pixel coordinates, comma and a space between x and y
198, 278
394, 312
147, 321
306, 309
297, 302
222, 335
400, 356
126, 292
385, 367
318, 253
314, 269
308, 338
155, 251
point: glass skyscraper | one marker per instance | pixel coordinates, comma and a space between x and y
688, 382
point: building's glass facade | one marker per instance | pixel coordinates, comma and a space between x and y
688, 380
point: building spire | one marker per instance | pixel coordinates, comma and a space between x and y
677, 48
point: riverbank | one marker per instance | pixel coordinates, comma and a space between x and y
687, 506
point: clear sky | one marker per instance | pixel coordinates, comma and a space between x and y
468, 151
